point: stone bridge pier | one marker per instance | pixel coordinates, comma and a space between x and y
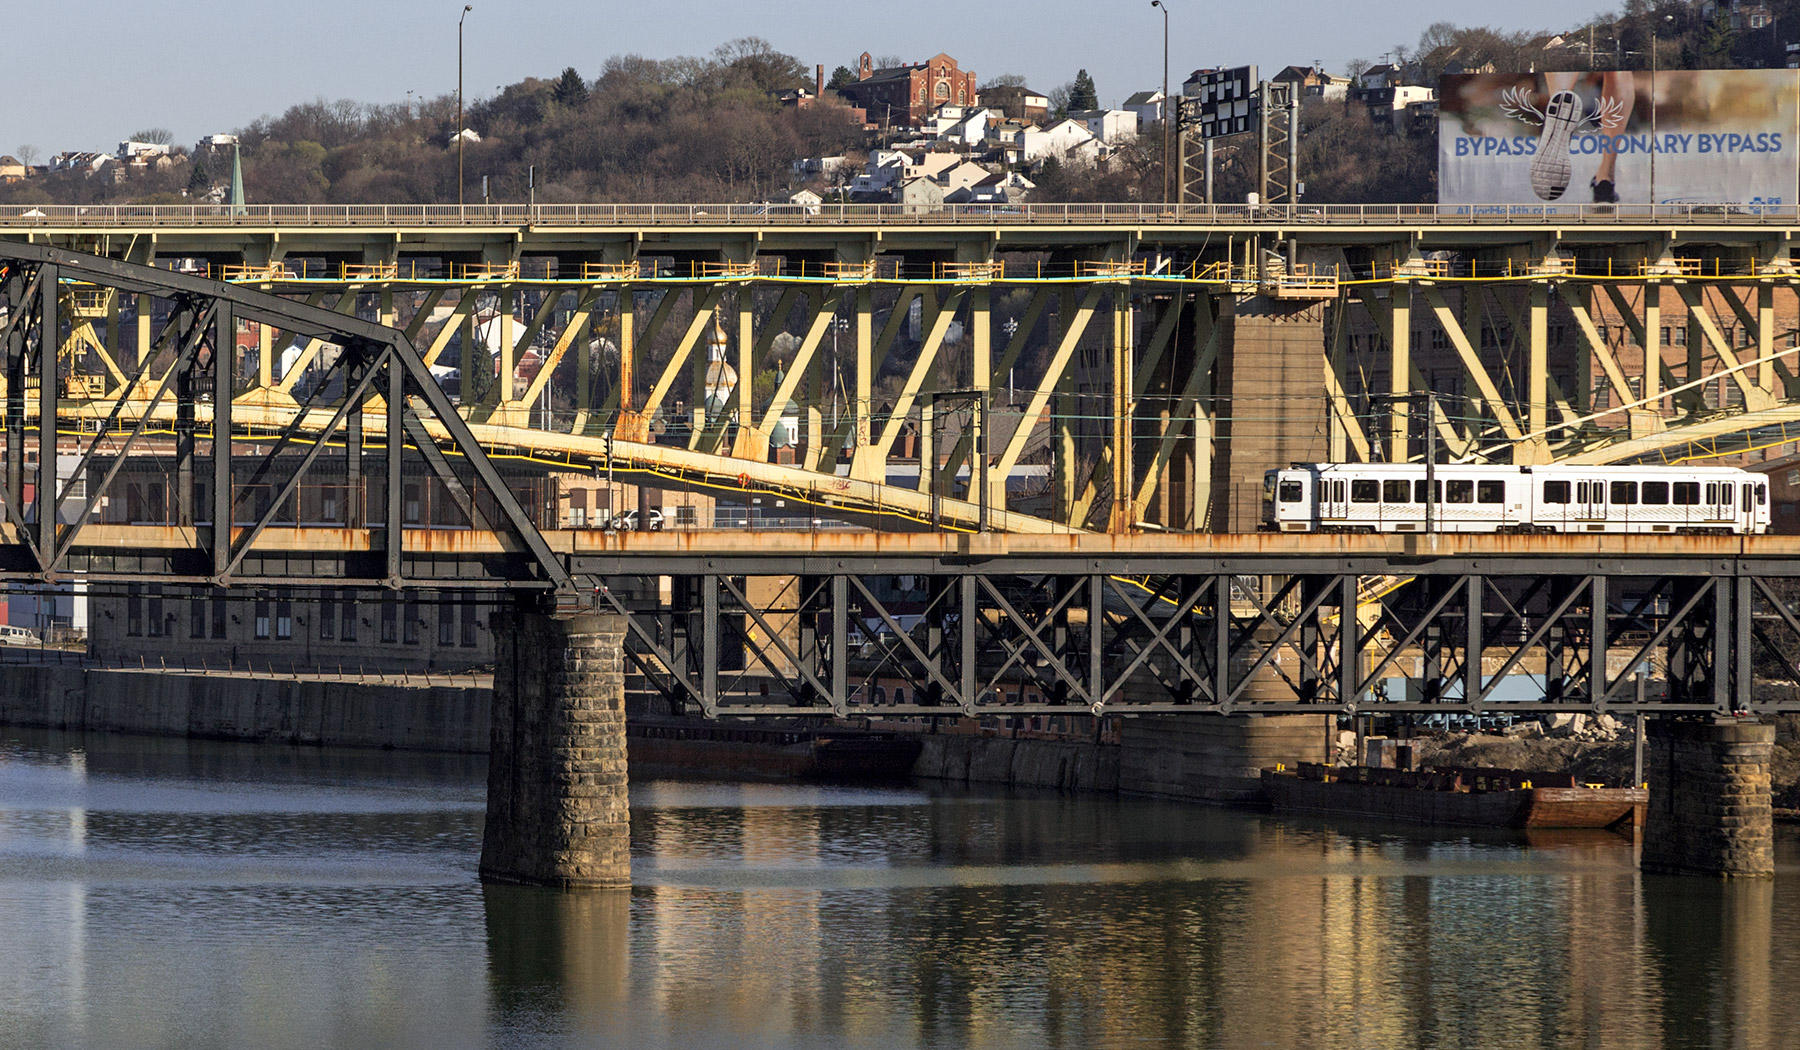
557, 812
1710, 810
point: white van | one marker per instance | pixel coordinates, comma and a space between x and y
17, 635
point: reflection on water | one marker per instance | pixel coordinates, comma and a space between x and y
158, 893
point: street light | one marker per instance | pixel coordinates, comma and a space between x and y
460, 137
1655, 143
1164, 105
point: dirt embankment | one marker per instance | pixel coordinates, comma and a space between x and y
1600, 753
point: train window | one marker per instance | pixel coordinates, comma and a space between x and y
1656, 493
1581, 492
1396, 491
1490, 492
1748, 498
1365, 490
1419, 492
1556, 492
1762, 494
1460, 490
1687, 493
1624, 492
1289, 492
1712, 493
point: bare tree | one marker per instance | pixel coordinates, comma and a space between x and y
27, 154
154, 136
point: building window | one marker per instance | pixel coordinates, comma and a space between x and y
1680, 335
409, 630
470, 617
684, 515
284, 614
196, 616
577, 508
390, 619
134, 612
262, 615
447, 618
218, 615
347, 622
155, 611
328, 616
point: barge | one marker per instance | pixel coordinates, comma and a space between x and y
1458, 796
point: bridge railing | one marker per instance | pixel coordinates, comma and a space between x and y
577, 215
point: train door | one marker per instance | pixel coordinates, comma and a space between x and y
1590, 501
1720, 502
1334, 499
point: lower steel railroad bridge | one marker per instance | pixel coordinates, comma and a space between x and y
1129, 586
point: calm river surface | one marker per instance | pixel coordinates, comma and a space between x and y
162, 893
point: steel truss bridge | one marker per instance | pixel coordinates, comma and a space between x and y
1111, 345
123, 345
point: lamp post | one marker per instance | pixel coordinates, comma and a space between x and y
1655, 143
1163, 107
459, 109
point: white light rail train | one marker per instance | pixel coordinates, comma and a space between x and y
1391, 497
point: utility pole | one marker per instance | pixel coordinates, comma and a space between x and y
1163, 107
459, 102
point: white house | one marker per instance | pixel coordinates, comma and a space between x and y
1069, 141
807, 167
883, 172
970, 126
1148, 105
1110, 126
129, 149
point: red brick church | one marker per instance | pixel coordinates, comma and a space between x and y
907, 94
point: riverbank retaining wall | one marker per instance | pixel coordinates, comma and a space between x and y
245, 707
1194, 757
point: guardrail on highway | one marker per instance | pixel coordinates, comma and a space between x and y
521, 215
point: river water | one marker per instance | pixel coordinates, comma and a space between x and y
158, 893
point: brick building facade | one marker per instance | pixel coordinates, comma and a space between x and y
907, 94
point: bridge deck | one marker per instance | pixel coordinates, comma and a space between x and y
799, 552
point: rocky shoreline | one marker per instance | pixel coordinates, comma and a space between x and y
1593, 750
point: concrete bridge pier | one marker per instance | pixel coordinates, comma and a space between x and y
1709, 798
557, 812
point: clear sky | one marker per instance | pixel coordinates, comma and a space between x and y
87, 73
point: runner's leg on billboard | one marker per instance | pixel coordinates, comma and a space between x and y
1618, 92
1562, 115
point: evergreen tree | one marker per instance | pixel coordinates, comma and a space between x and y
840, 76
1717, 42
571, 90
199, 180
1082, 95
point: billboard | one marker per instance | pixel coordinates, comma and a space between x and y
1710, 136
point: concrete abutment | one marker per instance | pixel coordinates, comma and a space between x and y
558, 806
1710, 808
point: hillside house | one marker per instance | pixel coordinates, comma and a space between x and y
1110, 126
1148, 105
1019, 103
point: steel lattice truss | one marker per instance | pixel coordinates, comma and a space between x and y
381, 392
1449, 636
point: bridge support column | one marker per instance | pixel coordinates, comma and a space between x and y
557, 811
1709, 798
